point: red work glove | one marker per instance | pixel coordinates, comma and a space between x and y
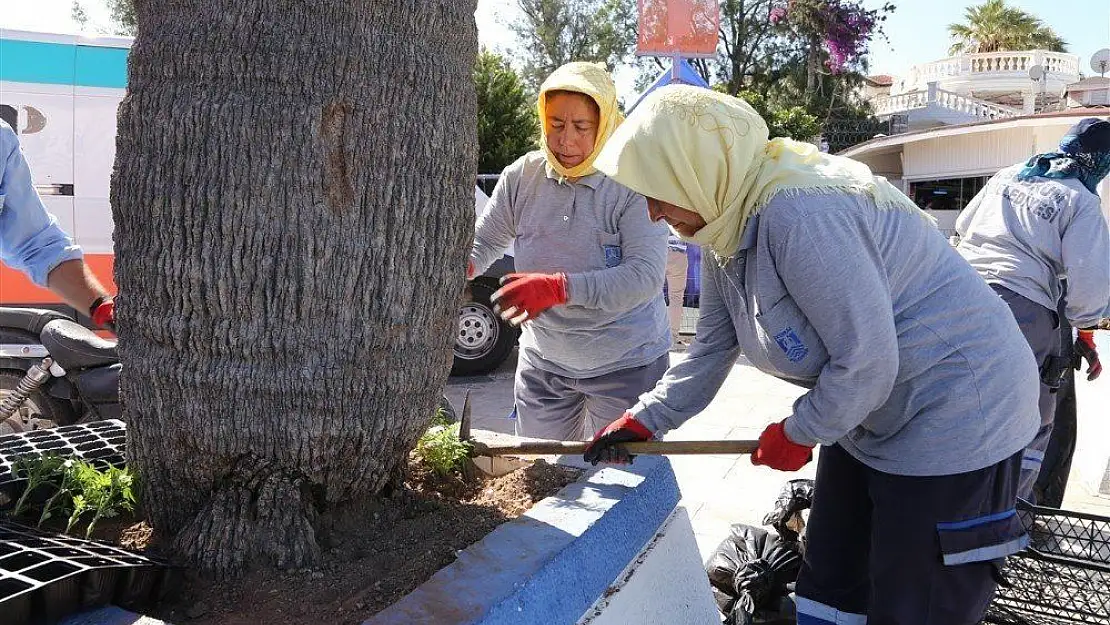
469, 270
777, 451
103, 313
1085, 348
524, 296
606, 446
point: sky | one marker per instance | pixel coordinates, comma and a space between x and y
916, 31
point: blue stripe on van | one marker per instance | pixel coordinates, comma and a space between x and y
101, 67
33, 61
63, 64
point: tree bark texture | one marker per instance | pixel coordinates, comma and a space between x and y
293, 201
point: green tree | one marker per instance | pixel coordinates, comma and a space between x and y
782, 121
555, 32
507, 123
994, 26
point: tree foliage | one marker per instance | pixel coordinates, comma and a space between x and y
995, 26
555, 32
507, 123
782, 121
122, 13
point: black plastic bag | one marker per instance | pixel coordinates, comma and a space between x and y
786, 517
749, 572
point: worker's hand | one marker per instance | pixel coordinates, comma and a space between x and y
1085, 348
777, 451
470, 270
103, 313
524, 296
606, 446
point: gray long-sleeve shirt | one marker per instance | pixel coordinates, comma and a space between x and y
1025, 234
914, 365
598, 233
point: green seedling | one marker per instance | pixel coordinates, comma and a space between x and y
113, 494
80, 489
80, 506
441, 449
38, 471
440, 417
61, 497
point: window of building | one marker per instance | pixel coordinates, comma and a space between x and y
948, 194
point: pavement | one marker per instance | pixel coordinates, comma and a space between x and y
718, 491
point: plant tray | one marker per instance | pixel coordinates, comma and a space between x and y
44, 578
1063, 577
101, 443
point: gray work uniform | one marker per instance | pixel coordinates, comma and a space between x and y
1022, 236
916, 369
614, 328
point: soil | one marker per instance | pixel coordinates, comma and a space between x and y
370, 560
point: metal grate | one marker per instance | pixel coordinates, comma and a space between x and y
1064, 577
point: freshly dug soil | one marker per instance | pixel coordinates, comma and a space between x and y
371, 559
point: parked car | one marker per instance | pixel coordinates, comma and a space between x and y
484, 341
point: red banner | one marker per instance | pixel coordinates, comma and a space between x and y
686, 28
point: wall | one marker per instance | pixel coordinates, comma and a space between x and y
966, 155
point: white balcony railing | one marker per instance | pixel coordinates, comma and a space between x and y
933, 95
980, 109
888, 105
991, 67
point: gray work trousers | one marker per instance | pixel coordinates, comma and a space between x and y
1041, 330
569, 409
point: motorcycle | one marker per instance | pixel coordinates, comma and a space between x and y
54, 371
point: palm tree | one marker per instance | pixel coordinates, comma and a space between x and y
293, 202
993, 26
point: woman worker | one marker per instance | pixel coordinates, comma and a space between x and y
922, 391
591, 263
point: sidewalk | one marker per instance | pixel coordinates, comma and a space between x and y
721, 490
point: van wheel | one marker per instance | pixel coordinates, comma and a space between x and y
484, 339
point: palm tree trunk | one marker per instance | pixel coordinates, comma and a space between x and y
293, 200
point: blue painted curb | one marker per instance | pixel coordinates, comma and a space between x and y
552, 564
111, 615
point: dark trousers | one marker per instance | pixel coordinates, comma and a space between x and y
888, 549
1041, 330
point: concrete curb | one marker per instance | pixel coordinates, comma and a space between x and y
555, 562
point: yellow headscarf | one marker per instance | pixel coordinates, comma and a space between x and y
708, 152
590, 79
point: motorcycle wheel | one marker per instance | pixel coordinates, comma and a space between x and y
39, 412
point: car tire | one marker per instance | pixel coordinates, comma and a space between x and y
484, 340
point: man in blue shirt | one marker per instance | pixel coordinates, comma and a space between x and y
32, 242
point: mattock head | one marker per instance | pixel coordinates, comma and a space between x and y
464, 422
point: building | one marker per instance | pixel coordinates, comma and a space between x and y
955, 122
1088, 92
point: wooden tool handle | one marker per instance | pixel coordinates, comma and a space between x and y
547, 448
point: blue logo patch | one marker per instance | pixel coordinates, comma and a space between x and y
791, 345
612, 255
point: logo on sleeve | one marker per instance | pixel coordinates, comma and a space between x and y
612, 255
791, 345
